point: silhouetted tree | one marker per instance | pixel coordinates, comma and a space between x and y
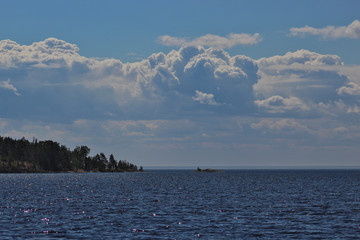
112, 163
79, 157
37, 156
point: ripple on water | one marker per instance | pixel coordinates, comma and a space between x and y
181, 205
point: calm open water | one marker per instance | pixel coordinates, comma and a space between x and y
241, 204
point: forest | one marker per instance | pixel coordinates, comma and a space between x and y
23, 156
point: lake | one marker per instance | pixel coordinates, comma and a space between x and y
179, 204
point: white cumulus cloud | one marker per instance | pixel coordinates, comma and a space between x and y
171, 41
53, 75
205, 98
211, 40
301, 57
350, 31
276, 104
54, 70
351, 89
302, 81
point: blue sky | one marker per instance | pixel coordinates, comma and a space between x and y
186, 83
121, 29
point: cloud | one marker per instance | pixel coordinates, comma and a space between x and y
211, 40
353, 109
350, 31
338, 108
276, 104
191, 99
205, 98
168, 85
304, 82
341, 129
171, 41
51, 52
351, 89
53, 75
9, 86
287, 126
301, 57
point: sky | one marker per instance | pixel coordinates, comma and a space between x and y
186, 83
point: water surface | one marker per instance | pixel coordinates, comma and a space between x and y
241, 204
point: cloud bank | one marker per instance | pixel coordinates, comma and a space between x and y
163, 83
350, 31
173, 83
193, 99
307, 83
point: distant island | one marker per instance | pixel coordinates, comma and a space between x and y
207, 170
23, 156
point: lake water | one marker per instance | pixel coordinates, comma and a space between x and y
241, 204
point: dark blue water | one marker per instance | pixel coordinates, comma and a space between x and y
273, 204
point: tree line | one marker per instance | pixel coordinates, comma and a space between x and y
21, 155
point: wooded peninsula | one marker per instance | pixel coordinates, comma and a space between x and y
23, 156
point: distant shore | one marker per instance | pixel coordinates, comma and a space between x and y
23, 156
67, 171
